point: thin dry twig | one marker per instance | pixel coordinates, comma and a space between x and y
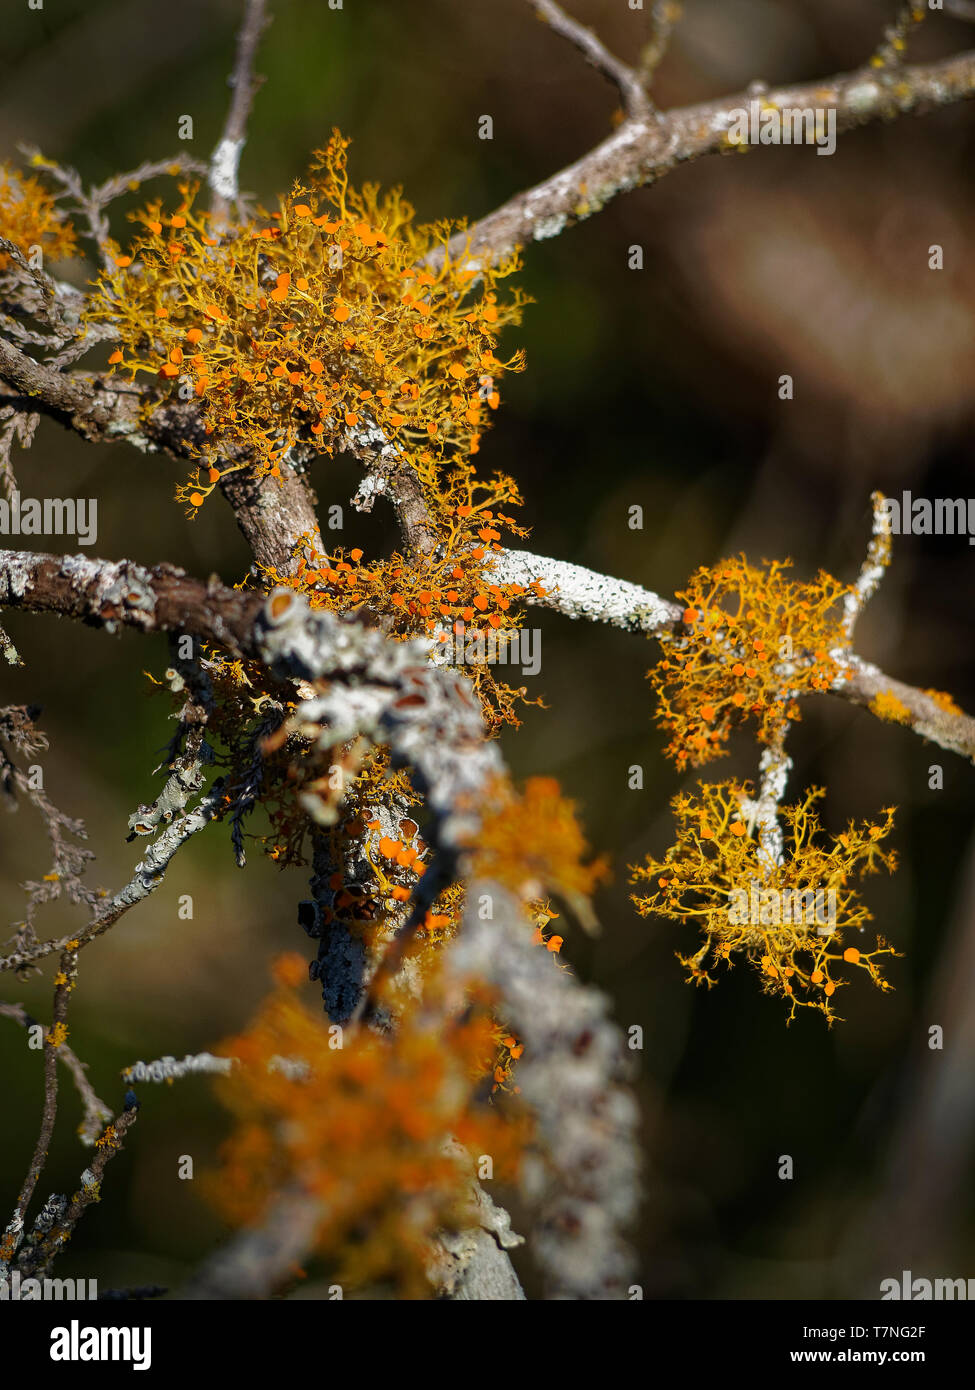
222, 174
640, 152
96, 1112
636, 104
664, 17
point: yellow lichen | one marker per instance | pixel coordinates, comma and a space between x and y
789, 920
885, 705
944, 701
30, 217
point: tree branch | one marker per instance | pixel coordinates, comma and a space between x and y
663, 17
582, 593
635, 101
225, 161
571, 1075
97, 1113
641, 151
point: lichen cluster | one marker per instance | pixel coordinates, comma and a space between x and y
750, 643
317, 320
362, 1123
30, 217
791, 921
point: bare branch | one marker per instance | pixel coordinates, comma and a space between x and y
69, 860
257, 1261
112, 593
642, 151
71, 399
13, 1234
890, 54
763, 812
96, 1112
873, 567
146, 878
928, 713
635, 101
169, 1069
91, 203
225, 160
664, 16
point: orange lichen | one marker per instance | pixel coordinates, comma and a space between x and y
318, 319
364, 1126
29, 217
886, 705
449, 596
944, 701
750, 643
533, 843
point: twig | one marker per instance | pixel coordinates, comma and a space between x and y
641, 152
664, 16
763, 811
225, 160
257, 1261
91, 203
890, 54
146, 878
14, 1231
169, 1069
636, 104
872, 569
96, 1112
38, 1256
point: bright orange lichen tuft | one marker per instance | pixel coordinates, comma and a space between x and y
533, 842
450, 597
750, 643
29, 217
369, 1124
319, 319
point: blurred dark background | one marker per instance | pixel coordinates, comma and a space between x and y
653, 387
